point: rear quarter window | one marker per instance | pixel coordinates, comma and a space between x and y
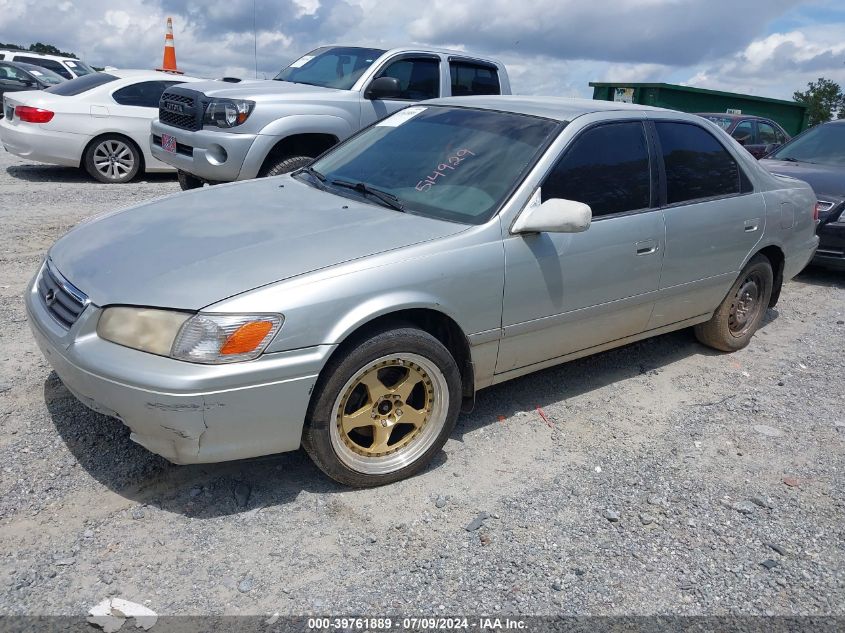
81, 84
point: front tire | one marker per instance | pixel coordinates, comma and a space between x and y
187, 181
742, 310
287, 164
112, 159
384, 409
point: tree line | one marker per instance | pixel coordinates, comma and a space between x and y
38, 47
824, 100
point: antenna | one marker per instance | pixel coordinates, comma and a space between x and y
254, 38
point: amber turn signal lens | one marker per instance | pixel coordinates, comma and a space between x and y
246, 338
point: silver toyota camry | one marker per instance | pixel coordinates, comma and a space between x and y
356, 306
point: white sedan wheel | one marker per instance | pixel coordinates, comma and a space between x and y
112, 160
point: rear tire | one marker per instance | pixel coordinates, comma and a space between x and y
112, 159
287, 165
382, 410
742, 310
187, 181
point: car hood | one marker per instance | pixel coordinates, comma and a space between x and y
267, 89
824, 179
193, 249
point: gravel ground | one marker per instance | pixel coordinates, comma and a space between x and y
661, 477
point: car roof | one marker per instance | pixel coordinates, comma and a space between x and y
556, 108
59, 58
734, 117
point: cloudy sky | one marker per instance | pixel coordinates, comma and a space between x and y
764, 47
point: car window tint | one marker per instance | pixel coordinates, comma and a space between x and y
697, 166
145, 94
81, 84
823, 143
473, 79
744, 132
606, 167
766, 133
419, 79
49, 64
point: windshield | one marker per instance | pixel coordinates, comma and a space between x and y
43, 75
821, 144
81, 84
331, 67
449, 163
80, 68
722, 121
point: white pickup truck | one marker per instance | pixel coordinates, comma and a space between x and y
219, 131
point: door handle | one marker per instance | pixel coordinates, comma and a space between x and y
646, 247
752, 225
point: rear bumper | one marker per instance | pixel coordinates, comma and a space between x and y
211, 155
186, 412
32, 142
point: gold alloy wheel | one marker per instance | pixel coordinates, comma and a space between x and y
400, 434
385, 408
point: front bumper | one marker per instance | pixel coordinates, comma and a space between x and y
212, 155
186, 412
42, 144
831, 251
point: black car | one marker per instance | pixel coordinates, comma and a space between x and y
17, 76
818, 157
758, 135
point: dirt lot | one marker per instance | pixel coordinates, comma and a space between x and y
667, 479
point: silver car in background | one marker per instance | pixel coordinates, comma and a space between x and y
357, 305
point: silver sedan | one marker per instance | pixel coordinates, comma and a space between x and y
356, 306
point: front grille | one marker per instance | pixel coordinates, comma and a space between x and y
63, 301
187, 114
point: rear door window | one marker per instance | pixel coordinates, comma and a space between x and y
606, 167
697, 165
81, 84
473, 79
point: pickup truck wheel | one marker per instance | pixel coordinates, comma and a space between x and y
187, 181
384, 409
287, 165
112, 158
741, 312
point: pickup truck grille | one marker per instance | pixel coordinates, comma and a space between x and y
181, 110
63, 301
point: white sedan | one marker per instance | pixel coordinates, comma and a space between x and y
99, 121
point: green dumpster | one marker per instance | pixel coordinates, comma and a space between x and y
792, 116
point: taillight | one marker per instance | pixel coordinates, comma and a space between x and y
816, 213
33, 115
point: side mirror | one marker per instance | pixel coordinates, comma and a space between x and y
384, 88
554, 216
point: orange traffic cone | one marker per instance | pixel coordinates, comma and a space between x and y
169, 63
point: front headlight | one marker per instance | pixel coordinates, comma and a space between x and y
198, 338
227, 112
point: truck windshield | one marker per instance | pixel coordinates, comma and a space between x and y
331, 67
456, 164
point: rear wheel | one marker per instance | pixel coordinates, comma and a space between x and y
187, 181
741, 312
287, 164
384, 409
112, 159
